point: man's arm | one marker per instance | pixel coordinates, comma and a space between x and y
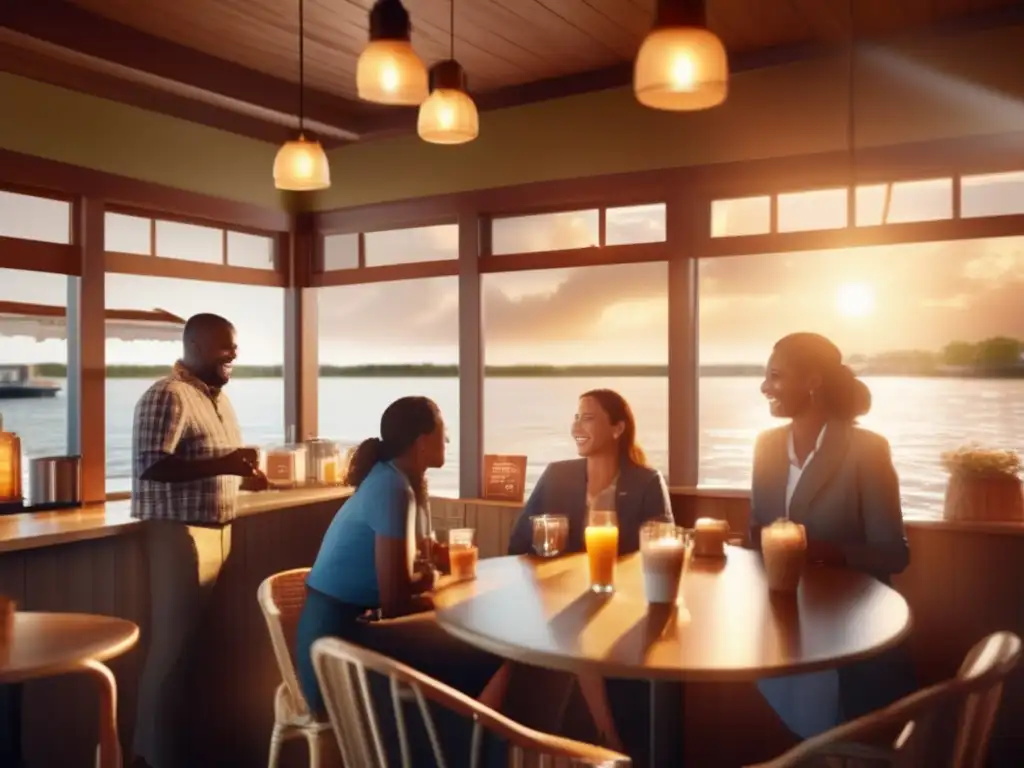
159, 425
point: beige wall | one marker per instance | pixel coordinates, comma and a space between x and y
58, 124
950, 87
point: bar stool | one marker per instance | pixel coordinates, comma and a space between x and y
281, 598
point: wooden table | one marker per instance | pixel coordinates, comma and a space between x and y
47, 644
728, 627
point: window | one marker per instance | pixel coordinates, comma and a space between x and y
33, 362
994, 194
550, 335
254, 251
382, 341
545, 232
904, 201
35, 218
341, 252
127, 234
407, 246
144, 322
635, 224
813, 210
741, 216
934, 329
189, 242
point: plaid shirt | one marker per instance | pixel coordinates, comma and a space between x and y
181, 416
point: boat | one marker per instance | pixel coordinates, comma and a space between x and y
43, 321
18, 382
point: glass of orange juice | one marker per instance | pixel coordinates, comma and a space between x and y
602, 539
462, 553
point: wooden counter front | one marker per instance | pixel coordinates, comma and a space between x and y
31, 530
93, 561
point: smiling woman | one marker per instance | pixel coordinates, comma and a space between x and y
935, 335
551, 334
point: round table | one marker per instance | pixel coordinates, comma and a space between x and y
47, 644
728, 626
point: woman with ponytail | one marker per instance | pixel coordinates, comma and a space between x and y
370, 583
836, 479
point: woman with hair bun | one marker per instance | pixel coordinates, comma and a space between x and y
836, 479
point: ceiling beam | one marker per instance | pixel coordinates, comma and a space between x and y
65, 31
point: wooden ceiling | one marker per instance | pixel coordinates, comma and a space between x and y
234, 63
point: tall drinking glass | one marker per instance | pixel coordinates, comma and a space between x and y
602, 539
665, 551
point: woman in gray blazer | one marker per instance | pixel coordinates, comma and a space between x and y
836, 479
612, 472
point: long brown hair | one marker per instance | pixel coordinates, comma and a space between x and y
619, 412
401, 425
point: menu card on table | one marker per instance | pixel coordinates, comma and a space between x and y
504, 478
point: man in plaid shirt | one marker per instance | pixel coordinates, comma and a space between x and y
188, 465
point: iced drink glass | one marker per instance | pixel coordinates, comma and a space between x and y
665, 552
784, 547
462, 553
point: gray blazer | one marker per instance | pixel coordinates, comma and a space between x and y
641, 495
848, 495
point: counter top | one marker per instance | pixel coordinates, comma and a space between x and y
31, 530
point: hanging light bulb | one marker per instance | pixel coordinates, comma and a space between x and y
681, 65
448, 116
388, 70
301, 166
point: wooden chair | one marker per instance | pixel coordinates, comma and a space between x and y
945, 726
342, 671
281, 598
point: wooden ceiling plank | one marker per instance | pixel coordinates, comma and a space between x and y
597, 25
626, 15
72, 28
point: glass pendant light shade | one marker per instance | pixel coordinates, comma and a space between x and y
449, 115
301, 166
388, 70
681, 66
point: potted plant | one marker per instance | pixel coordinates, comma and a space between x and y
984, 485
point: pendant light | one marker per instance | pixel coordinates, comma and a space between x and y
682, 65
388, 70
301, 164
448, 116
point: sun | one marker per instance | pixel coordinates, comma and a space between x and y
855, 300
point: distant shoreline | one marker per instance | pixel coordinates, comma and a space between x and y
413, 371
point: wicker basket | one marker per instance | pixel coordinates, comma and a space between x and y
984, 497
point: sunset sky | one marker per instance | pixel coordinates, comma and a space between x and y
867, 300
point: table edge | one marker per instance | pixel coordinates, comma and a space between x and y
577, 666
52, 670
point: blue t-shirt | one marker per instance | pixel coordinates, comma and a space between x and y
345, 567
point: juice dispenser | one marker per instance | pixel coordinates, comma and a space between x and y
10, 472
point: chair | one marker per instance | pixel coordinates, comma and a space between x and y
281, 598
342, 670
945, 726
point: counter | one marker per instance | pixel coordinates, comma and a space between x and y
92, 560
30, 530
